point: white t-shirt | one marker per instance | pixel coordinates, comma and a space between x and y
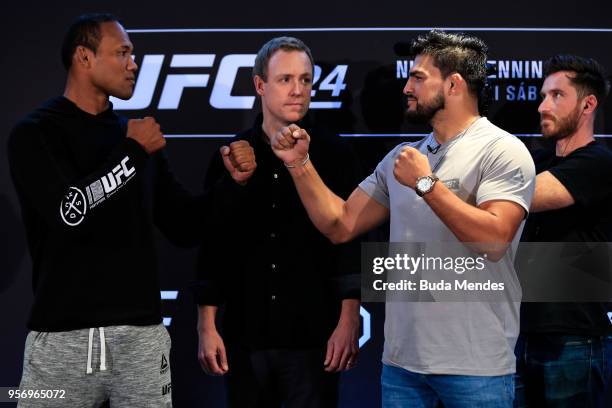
463, 338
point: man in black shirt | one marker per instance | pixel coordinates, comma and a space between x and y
565, 349
91, 186
291, 317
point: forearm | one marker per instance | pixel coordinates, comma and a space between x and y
325, 209
349, 311
69, 199
469, 223
550, 194
206, 318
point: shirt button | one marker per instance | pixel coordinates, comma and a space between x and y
275, 175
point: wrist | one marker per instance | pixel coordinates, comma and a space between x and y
207, 329
350, 311
425, 184
299, 162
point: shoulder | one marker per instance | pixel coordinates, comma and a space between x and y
35, 122
25, 132
596, 151
593, 158
500, 143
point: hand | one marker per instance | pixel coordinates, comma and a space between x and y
211, 353
239, 160
291, 144
343, 346
411, 164
147, 133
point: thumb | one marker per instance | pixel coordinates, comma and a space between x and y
329, 353
227, 162
223, 358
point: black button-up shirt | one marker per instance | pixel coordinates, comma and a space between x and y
280, 280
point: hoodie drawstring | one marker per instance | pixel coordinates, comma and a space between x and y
89, 350
102, 350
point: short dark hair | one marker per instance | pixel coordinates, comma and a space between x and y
85, 31
279, 43
455, 52
590, 78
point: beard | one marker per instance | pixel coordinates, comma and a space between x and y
564, 127
424, 111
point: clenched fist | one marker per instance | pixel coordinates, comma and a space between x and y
239, 160
410, 164
291, 144
147, 133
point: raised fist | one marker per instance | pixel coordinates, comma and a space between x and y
239, 160
147, 133
291, 144
409, 165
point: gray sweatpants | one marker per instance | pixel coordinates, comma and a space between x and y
126, 365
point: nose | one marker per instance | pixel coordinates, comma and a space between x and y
408, 88
132, 66
544, 105
297, 87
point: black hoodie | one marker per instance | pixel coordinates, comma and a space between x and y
89, 199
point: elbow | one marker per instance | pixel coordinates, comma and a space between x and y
340, 231
495, 256
336, 240
494, 251
339, 237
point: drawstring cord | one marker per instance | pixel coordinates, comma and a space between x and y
102, 350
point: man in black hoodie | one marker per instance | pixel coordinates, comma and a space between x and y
91, 185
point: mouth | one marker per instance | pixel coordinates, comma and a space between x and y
546, 120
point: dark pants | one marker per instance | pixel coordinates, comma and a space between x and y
563, 371
275, 378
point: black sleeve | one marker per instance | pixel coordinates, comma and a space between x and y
179, 214
48, 183
215, 252
184, 218
344, 172
587, 175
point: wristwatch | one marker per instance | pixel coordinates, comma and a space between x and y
425, 184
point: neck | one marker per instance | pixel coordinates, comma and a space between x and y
446, 125
581, 137
85, 96
271, 126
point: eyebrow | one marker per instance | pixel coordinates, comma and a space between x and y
542, 94
416, 71
308, 74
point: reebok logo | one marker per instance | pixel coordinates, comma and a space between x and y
166, 389
164, 365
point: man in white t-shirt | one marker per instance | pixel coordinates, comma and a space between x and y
468, 181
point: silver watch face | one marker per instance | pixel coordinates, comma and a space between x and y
424, 184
